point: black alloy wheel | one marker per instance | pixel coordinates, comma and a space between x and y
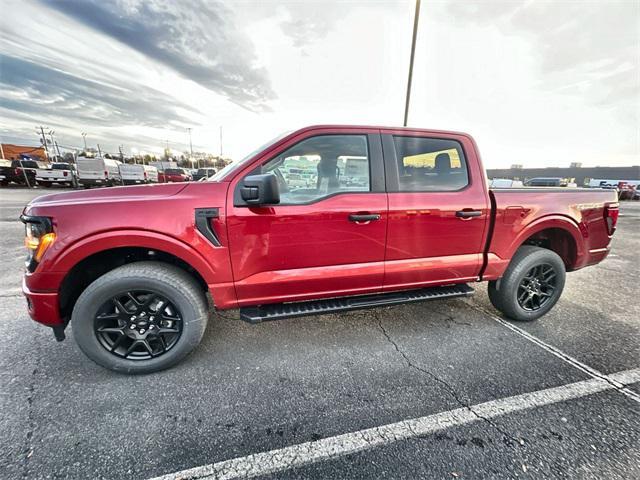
537, 287
138, 325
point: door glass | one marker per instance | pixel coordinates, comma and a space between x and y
430, 164
321, 166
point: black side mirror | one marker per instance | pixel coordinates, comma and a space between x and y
260, 189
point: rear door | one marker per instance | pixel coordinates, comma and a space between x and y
327, 236
438, 209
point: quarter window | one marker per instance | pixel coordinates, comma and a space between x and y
321, 166
430, 164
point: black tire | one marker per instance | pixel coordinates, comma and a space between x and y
507, 292
167, 281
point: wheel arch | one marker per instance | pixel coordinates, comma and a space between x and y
557, 233
89, 258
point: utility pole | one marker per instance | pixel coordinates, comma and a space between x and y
58, 150
1, 151
84, 139
44, 142
413, 52
121, 154
51, 141
99, 151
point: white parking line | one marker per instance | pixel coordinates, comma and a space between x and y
565, 357
294, 456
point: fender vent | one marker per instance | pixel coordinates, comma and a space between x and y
203, 224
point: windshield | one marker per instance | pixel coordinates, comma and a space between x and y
233, 166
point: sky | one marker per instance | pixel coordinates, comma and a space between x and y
536, 83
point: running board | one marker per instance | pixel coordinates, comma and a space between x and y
279, 311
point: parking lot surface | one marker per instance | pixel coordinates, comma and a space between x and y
423, 390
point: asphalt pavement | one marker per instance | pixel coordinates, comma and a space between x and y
454, 365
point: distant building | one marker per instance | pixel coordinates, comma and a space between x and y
16, 152
581, 175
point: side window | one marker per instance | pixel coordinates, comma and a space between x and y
430, 164
321, 166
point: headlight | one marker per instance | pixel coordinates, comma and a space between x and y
38, 238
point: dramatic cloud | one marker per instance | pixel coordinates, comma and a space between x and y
200, 40
30, 88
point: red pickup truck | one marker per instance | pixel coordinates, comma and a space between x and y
324, 219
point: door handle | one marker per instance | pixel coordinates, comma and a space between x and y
468, 213
364, 217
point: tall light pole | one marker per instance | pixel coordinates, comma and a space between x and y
84, 139
413, 52
220, 141
191, 148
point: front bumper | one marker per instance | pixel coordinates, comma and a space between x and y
43, 306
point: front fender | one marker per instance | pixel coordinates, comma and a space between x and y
99, 242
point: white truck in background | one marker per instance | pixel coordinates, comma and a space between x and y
98, 172
61, 173
138, 174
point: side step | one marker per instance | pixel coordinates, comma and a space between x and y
279, 311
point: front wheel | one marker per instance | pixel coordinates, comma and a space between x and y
531, 285
140, 318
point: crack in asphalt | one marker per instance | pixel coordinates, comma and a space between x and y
447, 386
31, 425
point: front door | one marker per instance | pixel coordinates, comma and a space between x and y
327, 236
438, 209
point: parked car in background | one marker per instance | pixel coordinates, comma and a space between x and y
504, 183
138, 174
546, 182
172, 175
203, 173
22, 172
98, 172
5, 166
420, 225
60, 173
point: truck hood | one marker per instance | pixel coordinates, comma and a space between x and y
108, 195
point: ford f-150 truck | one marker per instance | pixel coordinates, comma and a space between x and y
133, 268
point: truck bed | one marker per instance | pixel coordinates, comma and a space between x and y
556, 217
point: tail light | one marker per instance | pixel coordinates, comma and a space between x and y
106, 174
17, 171
65, 173
145, 175
611, 217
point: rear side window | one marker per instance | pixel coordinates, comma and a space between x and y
430, 164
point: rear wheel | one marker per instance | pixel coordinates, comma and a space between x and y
531, 285
140, 318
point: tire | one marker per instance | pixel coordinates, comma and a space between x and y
550, 274
164, 281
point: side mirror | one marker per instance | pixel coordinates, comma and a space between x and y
260, 189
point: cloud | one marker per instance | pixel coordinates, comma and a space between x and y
30, 88
588, 50
200, 41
